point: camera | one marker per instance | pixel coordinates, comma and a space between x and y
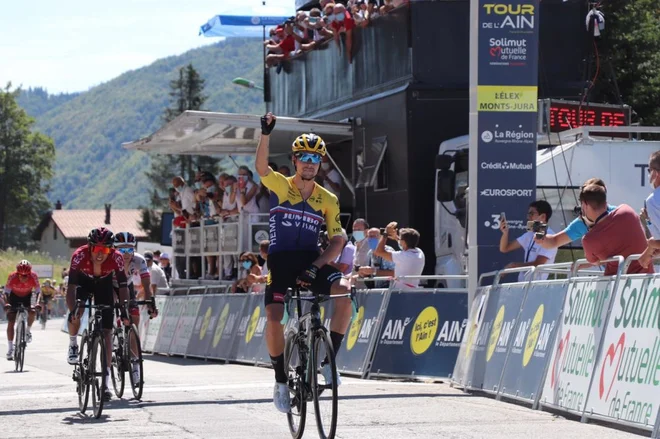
539, 228
383, 231
577, 211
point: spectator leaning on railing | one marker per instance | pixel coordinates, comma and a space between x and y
376, 266
534, 255
342, 23
612, 233
576, 229
407, 262
360, 227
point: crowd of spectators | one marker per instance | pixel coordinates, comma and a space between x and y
309, 30
368, 253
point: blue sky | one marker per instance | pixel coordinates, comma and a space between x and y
73, 45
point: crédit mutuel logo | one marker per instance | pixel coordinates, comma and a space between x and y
506, 16
507, 166
503, 137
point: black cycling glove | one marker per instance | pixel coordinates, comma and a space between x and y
266, 128
309, 275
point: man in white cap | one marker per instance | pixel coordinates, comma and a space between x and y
165, 265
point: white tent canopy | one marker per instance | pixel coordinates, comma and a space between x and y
210, 133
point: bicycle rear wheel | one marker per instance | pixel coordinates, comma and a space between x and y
135, 360
296, 373
97, 370
19, 349
82, 373
118, 362
324, 392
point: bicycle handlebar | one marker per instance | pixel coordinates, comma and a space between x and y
315, 298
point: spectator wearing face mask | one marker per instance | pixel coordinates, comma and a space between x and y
377, 266
407, 262
249, 265
186, 206
360, 227
329, 177
246, 191
228, 209
165, 265
317, 25
342, 23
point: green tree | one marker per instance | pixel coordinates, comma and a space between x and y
186, 93
631, 40
26, 159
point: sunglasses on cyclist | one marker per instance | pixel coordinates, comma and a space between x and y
101, 249
126, 250
308, 157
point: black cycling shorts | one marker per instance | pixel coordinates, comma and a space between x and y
46, 299
15, 300
103, 293
285, 267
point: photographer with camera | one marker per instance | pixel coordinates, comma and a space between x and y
538, 215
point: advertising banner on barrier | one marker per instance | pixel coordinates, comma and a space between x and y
464, 359
168, 324
249, 342
421, 334
626, 383
227, 324
363, 331
532, 340
185, 325
576, 344
504, 309
202, 333
149, 339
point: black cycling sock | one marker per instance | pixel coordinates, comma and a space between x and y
336, 339
278, 366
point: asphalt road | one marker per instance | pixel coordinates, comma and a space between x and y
186, 398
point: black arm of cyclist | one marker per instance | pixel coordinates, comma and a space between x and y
122, 281
330, 254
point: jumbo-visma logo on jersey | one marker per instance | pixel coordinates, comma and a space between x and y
422, 331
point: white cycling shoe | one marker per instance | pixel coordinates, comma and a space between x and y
281, 397
327, 374
72, 357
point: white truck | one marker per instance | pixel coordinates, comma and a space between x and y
564, 161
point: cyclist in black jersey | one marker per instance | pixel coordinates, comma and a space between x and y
298, 208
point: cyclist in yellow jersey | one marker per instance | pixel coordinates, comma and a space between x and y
47, 294
298, 208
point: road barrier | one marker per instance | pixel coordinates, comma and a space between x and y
586, 345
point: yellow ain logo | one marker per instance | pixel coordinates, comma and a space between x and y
424, 330
354, 331
322, 313
205, 323
533, 336
470, 339
220, 327
253, 324
495, 333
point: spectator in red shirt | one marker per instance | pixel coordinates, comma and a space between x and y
283, 50
614, 233
342, 22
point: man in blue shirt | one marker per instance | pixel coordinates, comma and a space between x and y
576, 229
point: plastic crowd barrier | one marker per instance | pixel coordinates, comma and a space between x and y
584, 345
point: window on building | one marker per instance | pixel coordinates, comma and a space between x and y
370, 163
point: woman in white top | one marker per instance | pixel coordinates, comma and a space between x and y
246, 197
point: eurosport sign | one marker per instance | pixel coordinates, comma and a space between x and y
507, 60
626, 383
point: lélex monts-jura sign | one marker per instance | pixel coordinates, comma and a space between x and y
507, 110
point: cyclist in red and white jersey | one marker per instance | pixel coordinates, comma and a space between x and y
18, 290
91, 272
134, 265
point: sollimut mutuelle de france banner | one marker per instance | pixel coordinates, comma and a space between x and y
507, 109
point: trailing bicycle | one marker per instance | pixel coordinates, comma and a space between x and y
90, 372
127, 359
307, 351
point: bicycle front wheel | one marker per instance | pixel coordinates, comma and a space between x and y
295, 369
97, 371
81, 372
118, 361
19, 354
136, 372
324, 384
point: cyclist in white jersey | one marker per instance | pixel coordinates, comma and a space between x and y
135, 264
